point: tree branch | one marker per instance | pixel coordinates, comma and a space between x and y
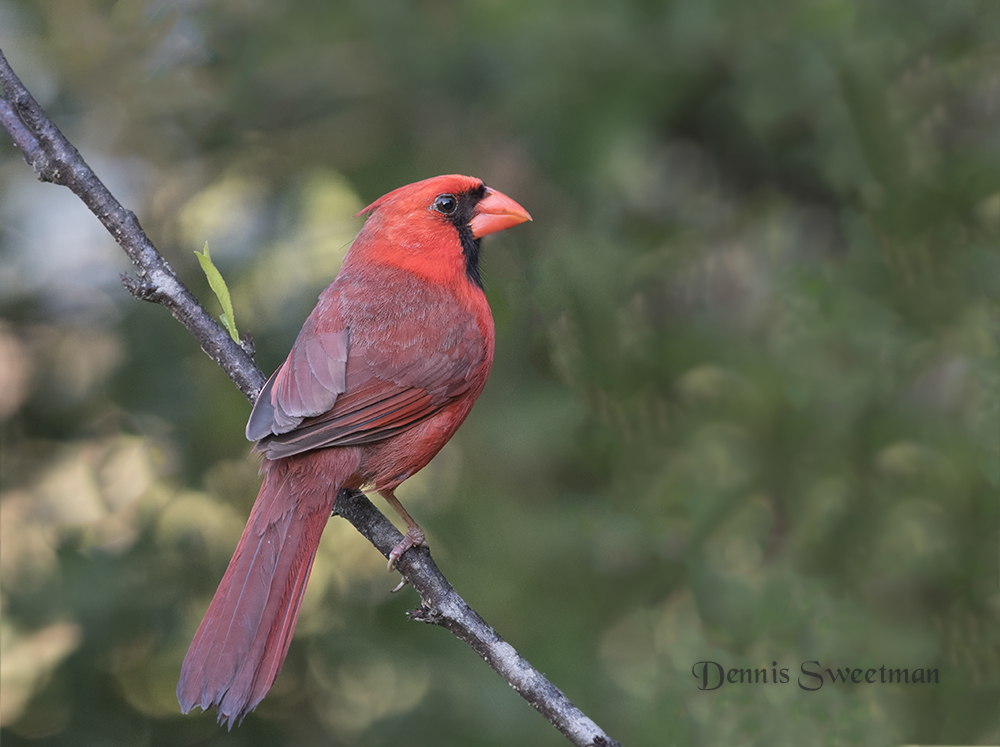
442, 605
56, 160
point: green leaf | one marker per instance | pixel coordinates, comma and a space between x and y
221, 291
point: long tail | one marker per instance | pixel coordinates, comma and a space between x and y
240, 646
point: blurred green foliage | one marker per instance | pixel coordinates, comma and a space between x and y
744, 408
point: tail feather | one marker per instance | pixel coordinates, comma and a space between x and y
242, 642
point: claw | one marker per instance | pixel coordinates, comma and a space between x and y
414, 536
402, 582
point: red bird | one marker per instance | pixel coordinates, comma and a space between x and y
384, 371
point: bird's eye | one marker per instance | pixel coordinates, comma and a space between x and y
446, 204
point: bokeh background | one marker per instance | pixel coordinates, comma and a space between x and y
745, 400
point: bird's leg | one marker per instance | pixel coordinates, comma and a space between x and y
414, 534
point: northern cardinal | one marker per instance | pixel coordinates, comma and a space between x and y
384, 371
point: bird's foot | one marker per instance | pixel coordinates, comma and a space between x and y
414, 536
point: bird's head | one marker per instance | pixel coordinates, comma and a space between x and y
433, 227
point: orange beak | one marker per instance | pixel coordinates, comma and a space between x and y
496, 212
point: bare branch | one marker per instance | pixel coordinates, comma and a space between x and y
442, 605
56, 160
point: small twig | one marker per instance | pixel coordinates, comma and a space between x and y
56, 160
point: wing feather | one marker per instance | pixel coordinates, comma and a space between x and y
367, 367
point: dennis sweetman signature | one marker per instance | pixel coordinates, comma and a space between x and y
712, 675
